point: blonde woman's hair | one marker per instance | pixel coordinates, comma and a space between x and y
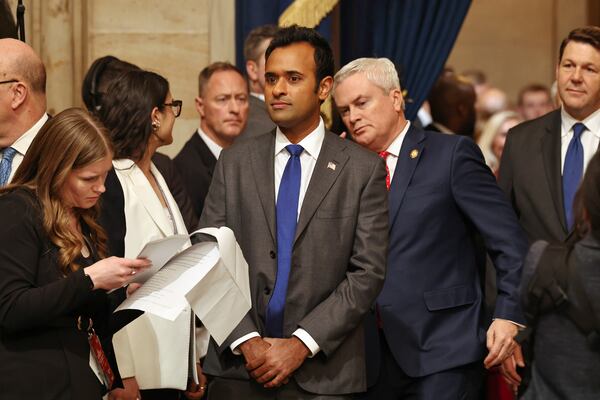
71, 140
379, 71
489, 132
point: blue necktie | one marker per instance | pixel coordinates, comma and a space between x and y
6, 165
572, 172
287, 218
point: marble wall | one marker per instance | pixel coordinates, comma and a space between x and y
515, 42
174, 39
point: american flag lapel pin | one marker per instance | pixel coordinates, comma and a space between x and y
331, 165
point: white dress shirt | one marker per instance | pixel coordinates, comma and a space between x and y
308, 158
590, 138
394, 150
21, 145
214, 148
259, 96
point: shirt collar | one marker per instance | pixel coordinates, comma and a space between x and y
311, 143
443, 128
259, 96
396, 145
592, 122
22, 143
214, 148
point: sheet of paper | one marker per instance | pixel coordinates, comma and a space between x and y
222, 297
159, 252
164, 293
211, 277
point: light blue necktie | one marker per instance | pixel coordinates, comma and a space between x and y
287, 214
6, 165
572, 172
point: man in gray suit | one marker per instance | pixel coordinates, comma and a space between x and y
309, 211
255, 45
545, 158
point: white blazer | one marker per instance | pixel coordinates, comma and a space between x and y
153, 349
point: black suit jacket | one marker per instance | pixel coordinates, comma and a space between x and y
259, 121
196, 164
178, 189
530, 174
43, 354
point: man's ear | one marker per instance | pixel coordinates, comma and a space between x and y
20, 92
325, 87
397, 100
199, 102
252, 70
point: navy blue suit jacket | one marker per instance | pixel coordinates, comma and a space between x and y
442, 198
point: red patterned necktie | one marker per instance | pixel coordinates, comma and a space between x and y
384, 155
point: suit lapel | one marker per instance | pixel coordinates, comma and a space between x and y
144, 193
262, 160
204, 153
322, 178
551, 146
410, 154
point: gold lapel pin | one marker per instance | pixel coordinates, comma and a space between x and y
414, 153
331, 165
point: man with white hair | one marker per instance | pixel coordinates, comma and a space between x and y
426, 338
22, 103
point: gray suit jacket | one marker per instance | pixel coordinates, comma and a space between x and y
259, 121
530, 175
339, 254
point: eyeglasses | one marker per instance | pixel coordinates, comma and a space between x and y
9, 81
176, 106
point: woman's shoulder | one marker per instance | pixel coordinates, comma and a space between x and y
20, 210
19, 201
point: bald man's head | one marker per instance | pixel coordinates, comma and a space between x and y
23, 93
20, 62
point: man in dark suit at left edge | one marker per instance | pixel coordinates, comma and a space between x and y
23, 109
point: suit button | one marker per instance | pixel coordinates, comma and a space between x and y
267, 291
272, 254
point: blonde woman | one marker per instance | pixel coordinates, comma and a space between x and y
493, 137
53, 280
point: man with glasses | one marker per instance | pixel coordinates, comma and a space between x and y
222, 104
22, 103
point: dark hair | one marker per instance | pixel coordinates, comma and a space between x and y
125, 111
210, 69
255, 39
447, 93
531, 88
101, 73
587, 200
297, 34
587, 34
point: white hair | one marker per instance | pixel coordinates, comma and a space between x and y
379, 71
